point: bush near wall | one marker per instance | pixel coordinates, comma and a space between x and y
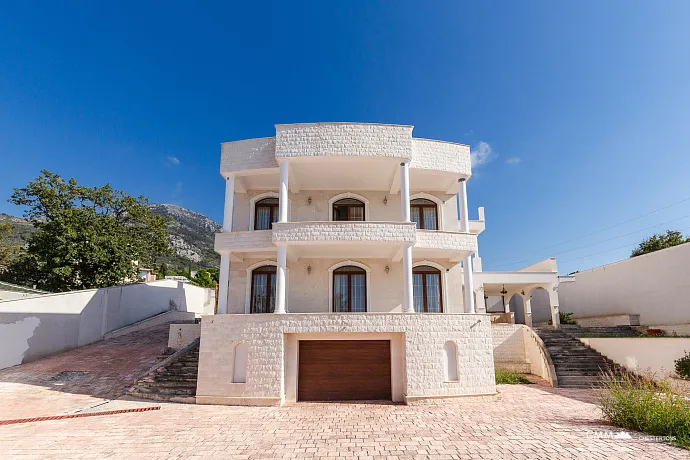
683, 365
646, 406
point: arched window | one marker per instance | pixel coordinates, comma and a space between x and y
349, 289
450, 361
348, 209
263, 295
265, 213
424, 213
426, 289
239, 368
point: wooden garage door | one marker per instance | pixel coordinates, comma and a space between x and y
340, 370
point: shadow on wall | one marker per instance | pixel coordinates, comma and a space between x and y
35, 327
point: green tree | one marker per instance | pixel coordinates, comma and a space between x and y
660, 241
204, 278
85, 237
6, 250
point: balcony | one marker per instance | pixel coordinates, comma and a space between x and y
344, 239
432, 244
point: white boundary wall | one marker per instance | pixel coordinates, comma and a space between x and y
655, 354
656, 286
35, 327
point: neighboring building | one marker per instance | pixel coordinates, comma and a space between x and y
146, 274
342, 274
12, 292
180, 278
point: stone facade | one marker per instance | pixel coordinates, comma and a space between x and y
509, 347
441, 156
234, 241
305, 232
446, 240
270, 368
248, 154
343, 139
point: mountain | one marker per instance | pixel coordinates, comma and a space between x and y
191, 236
22, 228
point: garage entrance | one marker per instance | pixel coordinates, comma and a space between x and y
344, 370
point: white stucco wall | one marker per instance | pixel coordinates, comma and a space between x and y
271, 371
656, 286
309, 293
57, 322
641, 354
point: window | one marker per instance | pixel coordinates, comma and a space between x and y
263, 296
423, 212
265, 213
348, 209
426, 289
349, 290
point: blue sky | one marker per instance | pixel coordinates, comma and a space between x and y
578, 112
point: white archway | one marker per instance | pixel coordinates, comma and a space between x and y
439, 206
443, 271
348, 195
345, 263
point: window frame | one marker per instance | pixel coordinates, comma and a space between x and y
354, 270
255, 271
421, 207
274, 210
349, 206
416, 271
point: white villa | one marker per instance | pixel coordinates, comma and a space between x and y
347, 272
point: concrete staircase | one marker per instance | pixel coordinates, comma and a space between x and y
172, 379
608, 331
577, 365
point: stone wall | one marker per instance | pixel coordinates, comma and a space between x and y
509, 347
441, 156
424, 336
343, 139
295, 232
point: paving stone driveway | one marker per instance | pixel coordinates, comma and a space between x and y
525, 421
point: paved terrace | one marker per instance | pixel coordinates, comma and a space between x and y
525, 421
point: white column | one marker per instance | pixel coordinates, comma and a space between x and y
280, 279
469, 284
408, 306
462, 203
224, 272
229, 203
223, 281
553, 301
527, 302
283, 192
405, 190
481, 301
506, 302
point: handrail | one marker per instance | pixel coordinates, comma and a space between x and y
172, 358
551, 376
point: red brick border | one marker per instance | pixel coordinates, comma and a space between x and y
87, 414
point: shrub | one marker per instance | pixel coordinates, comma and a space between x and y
564, 318
646, 406
509, 377
683, 365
